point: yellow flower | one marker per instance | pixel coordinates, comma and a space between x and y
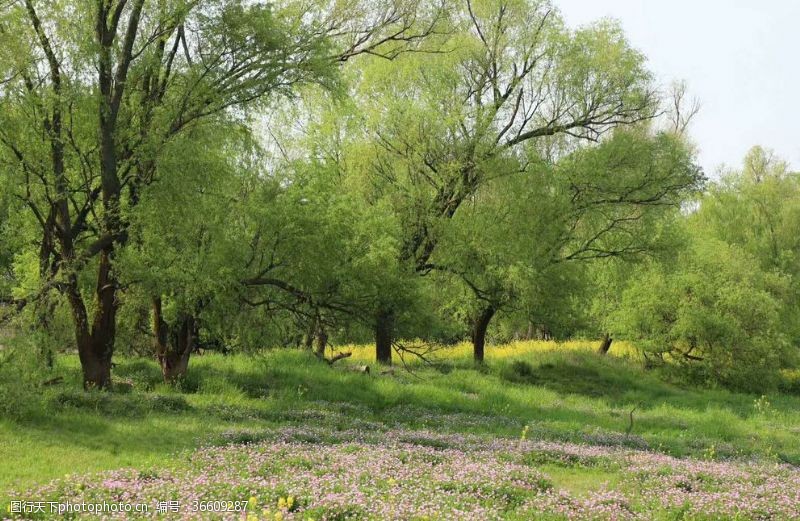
289, 502
265, 513
252, 502
252, 517
278, 516
281, 503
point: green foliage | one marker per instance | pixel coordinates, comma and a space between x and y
21, 375
255, 176
757, 209
515, 168
720, 303
716, 314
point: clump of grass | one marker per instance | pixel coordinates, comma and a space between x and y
119, 405
518, 371
560, 458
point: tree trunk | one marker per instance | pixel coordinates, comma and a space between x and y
479, 332
308, 338
95, 356
384, 330
605, 345
321, 341
96, 369
45, 311
95, 346
176, 363
173, 345
104, 325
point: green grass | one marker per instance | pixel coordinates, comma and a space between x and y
569, 396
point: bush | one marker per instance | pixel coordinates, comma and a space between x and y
21, 374
790, 382
716, 315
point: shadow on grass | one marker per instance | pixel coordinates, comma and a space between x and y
566, 397
618, 383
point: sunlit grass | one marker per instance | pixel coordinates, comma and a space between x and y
570, 394
520, 349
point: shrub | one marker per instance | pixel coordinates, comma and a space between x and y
790, 382
716, 314
21, 374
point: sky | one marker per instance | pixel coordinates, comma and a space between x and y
740, 58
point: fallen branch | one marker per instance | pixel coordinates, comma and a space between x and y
338, 357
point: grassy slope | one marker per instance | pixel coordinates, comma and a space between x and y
572, 395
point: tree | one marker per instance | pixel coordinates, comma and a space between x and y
598, 202
722, 304
757, 209
714, 312
441, 122
105, 85
183, 254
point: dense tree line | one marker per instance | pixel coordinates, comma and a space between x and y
236, 175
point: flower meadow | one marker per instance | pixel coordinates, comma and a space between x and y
307, 474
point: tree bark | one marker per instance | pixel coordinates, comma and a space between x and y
321, 341
384, 331
308, 338
479, 332
96, 368
95, 345
173, 344
605, 345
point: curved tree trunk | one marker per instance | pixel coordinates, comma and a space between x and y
605, 345
479, 328
384, 331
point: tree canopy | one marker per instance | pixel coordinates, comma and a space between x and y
237, 175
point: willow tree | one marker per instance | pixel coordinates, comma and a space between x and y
509, 76
598, 202
757, 208
94, 90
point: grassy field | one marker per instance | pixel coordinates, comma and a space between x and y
543, 392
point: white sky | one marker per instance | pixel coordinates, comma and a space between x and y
741, 58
